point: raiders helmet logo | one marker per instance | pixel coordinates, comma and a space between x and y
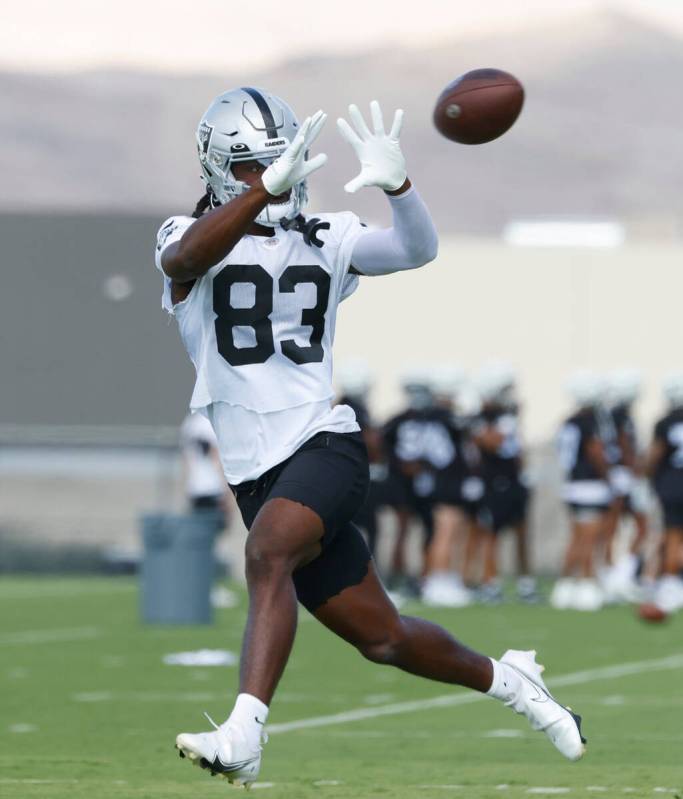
204, 136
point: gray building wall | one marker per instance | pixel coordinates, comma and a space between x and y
71, 355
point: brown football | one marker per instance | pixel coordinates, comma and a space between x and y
479, 106
652, 613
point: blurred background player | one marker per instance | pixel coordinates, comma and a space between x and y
586, 492
629, 487
203, 478
665, 465
504, 505
421, 443
447, 458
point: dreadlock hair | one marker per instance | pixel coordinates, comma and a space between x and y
205, 202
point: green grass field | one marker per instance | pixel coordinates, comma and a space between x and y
88, 709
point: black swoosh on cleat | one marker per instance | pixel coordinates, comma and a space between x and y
577, 721
217, 766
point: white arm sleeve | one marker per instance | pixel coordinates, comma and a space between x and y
410, 243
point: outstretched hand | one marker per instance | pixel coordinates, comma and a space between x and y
381, 160
292, 167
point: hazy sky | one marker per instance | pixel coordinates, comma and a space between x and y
220, 34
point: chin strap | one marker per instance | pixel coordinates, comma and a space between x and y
307, 227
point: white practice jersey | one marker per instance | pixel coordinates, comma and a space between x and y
259, 328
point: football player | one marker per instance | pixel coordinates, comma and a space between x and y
506, 496
410, 483
445, 439
204, 481
665, 466
254, 287
629, 486
586, 492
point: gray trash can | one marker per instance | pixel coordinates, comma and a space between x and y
177, 568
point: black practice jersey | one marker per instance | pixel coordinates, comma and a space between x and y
430, 437
669, 431
625, 427
573, 440
506, 460
608, 434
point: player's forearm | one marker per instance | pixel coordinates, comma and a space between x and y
411, 242
212, 236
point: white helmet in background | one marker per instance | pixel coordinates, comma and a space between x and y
416, 383
672, 387
469, 400
586, 388
354, 377
247, 125
446, 380
495, 381
624, 386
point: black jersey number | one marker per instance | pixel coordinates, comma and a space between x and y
257, 316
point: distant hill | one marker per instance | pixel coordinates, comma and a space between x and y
600, 134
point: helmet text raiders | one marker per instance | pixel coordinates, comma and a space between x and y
244, 125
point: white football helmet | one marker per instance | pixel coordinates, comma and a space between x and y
495, 381
624, 386
586, 388
247, 125
672, 387
416, 384
446, 380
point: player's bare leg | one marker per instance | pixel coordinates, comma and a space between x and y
526, 582
673, 551
443, 584
472, 548
441, 549
612, 519
284, 536
640, 521
584, 593
363, 615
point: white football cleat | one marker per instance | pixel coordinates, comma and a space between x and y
225, 752
543, 711
445, 590
588, 596
669, 593
562, 595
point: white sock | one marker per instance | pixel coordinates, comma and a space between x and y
506, 682
250, 714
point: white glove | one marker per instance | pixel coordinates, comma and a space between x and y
292, 167
381, 160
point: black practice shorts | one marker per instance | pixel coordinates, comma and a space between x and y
329, 475
673, 514
669, 487
504, 504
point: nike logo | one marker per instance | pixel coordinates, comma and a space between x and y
228, 768
258, 720
540, 696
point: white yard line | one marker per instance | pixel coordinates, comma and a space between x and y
49, 636
453, 700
